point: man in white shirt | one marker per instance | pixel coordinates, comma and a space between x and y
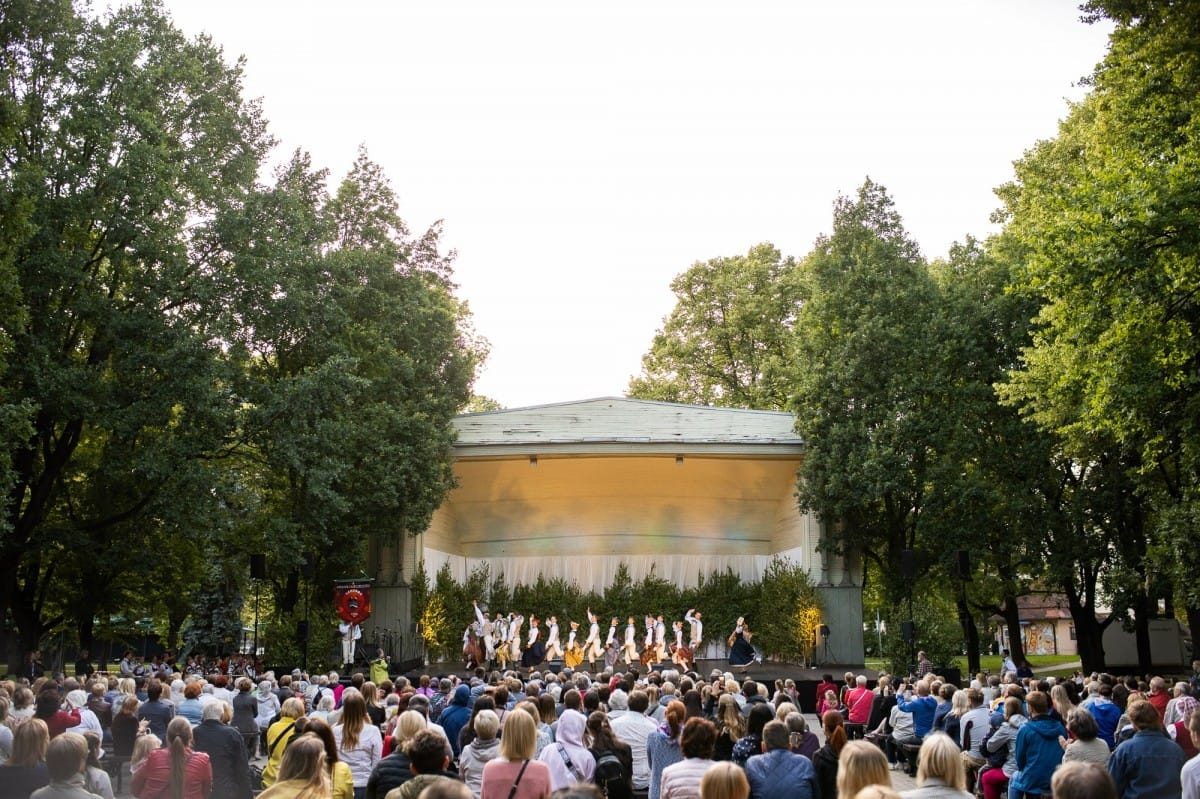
635, 728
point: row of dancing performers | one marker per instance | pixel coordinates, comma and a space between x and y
498, 642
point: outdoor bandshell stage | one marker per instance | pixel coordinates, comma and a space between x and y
576, 489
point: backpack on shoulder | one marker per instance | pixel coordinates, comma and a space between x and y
611, 778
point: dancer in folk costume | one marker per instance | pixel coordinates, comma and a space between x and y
696, 629
514, 638
629, 650
535, 650
487, 632
573, 654
591, 646
554, 650
612, 644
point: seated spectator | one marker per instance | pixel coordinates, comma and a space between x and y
156, 710
66, 759
96, 780
940, 774
484, 748
724, 781
515, 774
1038, 752
226, 752
862, 766
1085, 745
394, 770
47, 708
26, 771
682, 780
175, 770
777, 773
1080, 780
1149, 763
429, 761
801, 739
302, 771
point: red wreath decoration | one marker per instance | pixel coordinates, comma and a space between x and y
353, 606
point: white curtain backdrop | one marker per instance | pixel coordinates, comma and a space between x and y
597, 573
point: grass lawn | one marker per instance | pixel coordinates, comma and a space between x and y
991, 664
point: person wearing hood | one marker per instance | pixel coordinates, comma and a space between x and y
455, 717
568, 758
1037, 751
995, 781
479, 752
268, 705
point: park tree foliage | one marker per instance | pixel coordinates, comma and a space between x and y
129, 140
729, 340
195, 366
868, 396
1108, 213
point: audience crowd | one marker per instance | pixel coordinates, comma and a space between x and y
195, 734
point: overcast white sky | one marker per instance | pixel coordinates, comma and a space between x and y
582, 155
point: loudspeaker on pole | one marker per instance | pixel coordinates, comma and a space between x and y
258, 566
908, 631
964, 564
908, 566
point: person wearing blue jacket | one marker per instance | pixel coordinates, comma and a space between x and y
779, 773
1038, 751
455, 716
923, 707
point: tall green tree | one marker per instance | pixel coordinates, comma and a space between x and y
868, 398
122, 141
356, 357
1109, 213
729, 340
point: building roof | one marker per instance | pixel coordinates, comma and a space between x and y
619, 425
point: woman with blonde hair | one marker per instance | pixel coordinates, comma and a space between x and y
360, 744
515, 774
783, 709
25, 771
142, 747
279, 734
861, 765
302, 772
341, 781
724, 781
375, 711
175, 771
940, 774
731, 727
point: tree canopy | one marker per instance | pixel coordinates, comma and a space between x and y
194, 365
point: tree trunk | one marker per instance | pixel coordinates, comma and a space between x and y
970, 633
1012, 620
1089, 632
1193, 622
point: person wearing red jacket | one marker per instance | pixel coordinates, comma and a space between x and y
156, 778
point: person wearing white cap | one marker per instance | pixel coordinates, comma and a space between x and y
88, 720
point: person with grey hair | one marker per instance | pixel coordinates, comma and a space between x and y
226, 751
484, 748
618, 704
